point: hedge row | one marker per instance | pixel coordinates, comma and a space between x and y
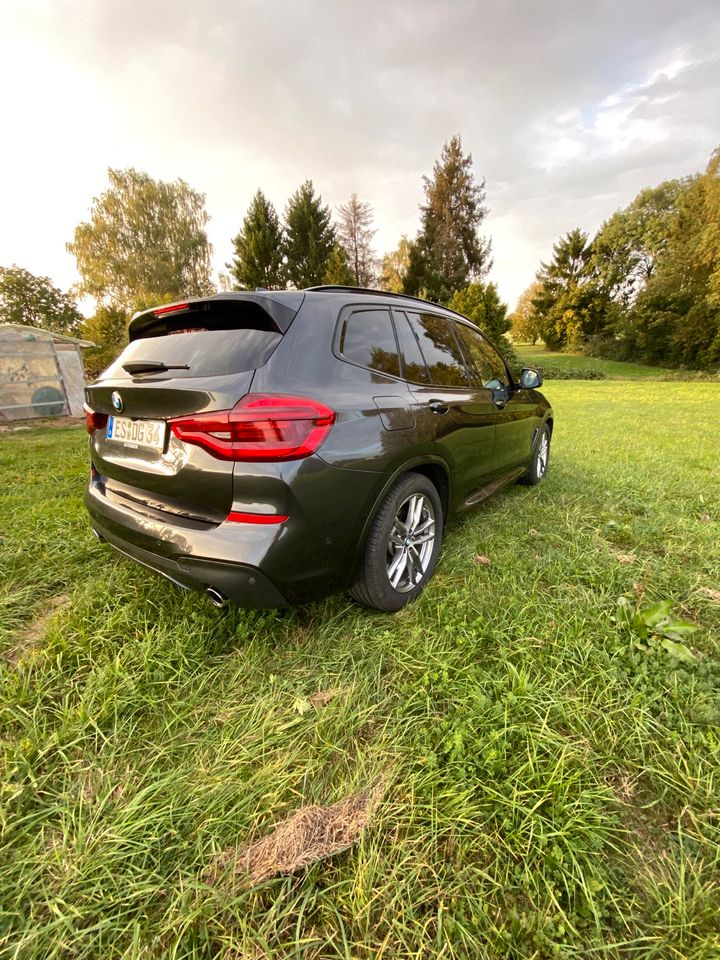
551, 372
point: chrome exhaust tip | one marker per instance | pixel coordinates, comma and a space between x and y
217, 598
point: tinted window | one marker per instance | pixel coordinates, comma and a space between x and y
368, 340
440, 349
486, 363
413, 363
205, 353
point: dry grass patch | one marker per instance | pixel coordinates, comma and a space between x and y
310, 834
710, 594
28, 640
323, 697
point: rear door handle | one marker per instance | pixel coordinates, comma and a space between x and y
437, 406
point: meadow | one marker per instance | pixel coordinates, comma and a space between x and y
546, 754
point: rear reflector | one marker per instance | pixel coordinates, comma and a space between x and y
94, 420
171, 308
264, 518
261, 427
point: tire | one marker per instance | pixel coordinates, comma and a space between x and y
397, 564
540, 459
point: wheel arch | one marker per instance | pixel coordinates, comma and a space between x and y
437, 473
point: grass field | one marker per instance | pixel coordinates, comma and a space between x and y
613, 369
551, 782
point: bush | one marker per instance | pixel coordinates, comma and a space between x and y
509, 355
552, 372
606, 347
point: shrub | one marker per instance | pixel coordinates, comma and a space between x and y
606, 347
552, 372
509, 355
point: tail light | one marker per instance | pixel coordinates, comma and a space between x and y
94, 420
260, 427
172, 308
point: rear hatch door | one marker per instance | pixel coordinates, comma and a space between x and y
195, 357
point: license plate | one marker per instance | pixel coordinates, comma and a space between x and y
145, 434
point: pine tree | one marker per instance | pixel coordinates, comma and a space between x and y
258, 260
338, 272
449, 252
309, 237
355, 233
569, 304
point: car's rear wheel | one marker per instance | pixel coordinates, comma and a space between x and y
403, 546
540, 459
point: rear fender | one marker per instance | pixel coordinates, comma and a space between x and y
435, 464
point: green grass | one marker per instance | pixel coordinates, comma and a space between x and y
613, 369
553, 789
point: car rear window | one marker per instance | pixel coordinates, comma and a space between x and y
203, 343
197, 353
368, 340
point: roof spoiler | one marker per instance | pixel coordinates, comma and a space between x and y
280, 306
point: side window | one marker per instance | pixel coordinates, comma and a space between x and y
413, 361
440, 348
486, 364
368, 340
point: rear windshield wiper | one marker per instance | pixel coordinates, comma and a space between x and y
152, 366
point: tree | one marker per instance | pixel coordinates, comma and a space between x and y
309, 237
108, 329
449, 251
569, 303
355, 233
258, 260
395, 267
338, 271
676, 318
145, 242
481, 303
36, 302
627, 247
525, 323
707, 252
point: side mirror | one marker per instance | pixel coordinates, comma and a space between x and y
530, 379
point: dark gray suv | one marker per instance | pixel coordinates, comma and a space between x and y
271, 447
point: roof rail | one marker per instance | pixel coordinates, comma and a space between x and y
339, 288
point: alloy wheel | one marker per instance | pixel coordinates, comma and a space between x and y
411, 543
542, 454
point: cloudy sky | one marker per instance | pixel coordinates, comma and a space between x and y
568, 109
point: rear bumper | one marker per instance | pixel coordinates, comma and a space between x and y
242, 584
312, 554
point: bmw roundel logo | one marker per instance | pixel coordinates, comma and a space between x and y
116, 401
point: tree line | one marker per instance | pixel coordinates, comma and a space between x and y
645, 287
146, 242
